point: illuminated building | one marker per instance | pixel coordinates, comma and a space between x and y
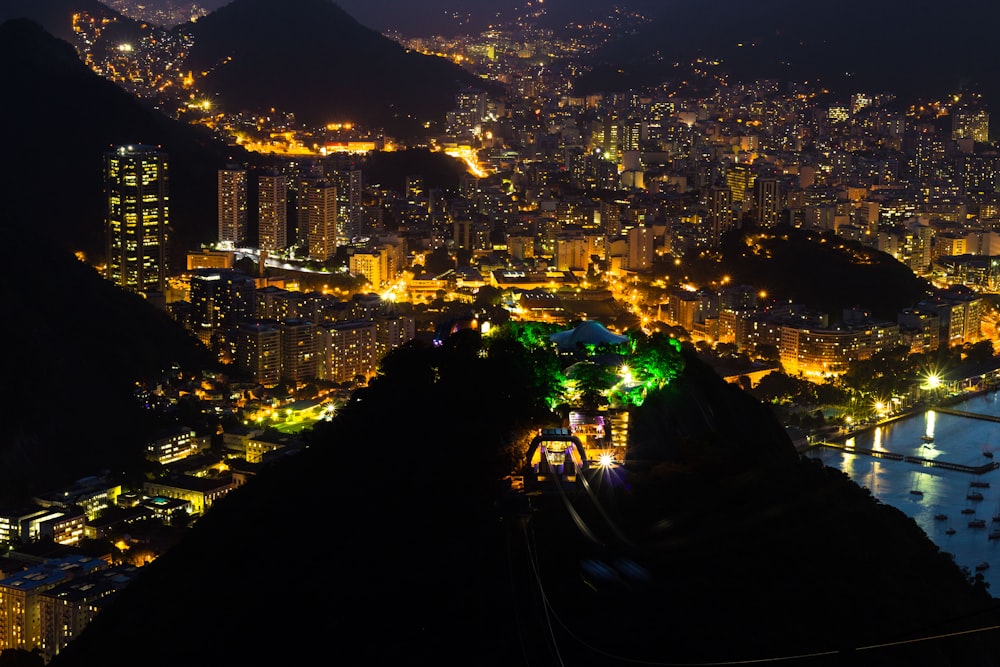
272, 205
232, 207
210, 259
173, 445
369, 265
960, 311
346, 350
392, 331
822, 352
347, 184
257, 350
920, 329
969, 123
20, 598
572, 252
721, 215
522, 280
201, 492
262, 444
135, 179
299, 361
739, 180
319, 211
639, 244
222, 297
768, 203
67, 608
93, 495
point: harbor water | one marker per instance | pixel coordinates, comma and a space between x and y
928, 494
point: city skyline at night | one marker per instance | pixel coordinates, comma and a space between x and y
418, 333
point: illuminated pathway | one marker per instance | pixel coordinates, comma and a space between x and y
919, 460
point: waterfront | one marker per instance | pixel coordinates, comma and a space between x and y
924, 492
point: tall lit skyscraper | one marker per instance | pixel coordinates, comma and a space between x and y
232, 205
320, 208
348, 184
135, 182
272, 190
721, 215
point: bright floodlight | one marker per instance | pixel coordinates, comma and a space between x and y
605, 460
933, 381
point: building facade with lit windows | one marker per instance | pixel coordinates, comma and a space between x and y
299, 360
272, 207
257, 350
232, 207
347, 349
822, 352
319, 211
20, 598
201, 492
369, 265
69, 607
137, 217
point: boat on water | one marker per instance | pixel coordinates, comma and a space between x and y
977, 523
941, 517
974, 495
968, 510
995, 533
979, 485
988, 454
982, 566
927, 438
950, 531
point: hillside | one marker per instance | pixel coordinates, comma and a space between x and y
917, 50
64, 119
386, 542
311, 58
78, 344
56, 16
819, 270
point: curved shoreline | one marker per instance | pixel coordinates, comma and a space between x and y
842, 435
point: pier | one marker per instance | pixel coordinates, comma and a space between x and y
919, 460
963, 413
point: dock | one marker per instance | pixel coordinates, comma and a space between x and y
918, 460
971, 415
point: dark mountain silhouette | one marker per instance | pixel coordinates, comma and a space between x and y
458, 17
919, 49
78, 345
385, 543
311, 58
61, 119
821, 269
56, 16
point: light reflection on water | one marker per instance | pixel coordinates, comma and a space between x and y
954, 439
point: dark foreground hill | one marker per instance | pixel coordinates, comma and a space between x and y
311, 58
76, 347
386, 542
61, 118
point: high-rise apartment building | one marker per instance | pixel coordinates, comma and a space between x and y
318, 209
257, 350
348, 195
232, 205
970, 123
272, 191
768, 204
721, 215
135, 180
